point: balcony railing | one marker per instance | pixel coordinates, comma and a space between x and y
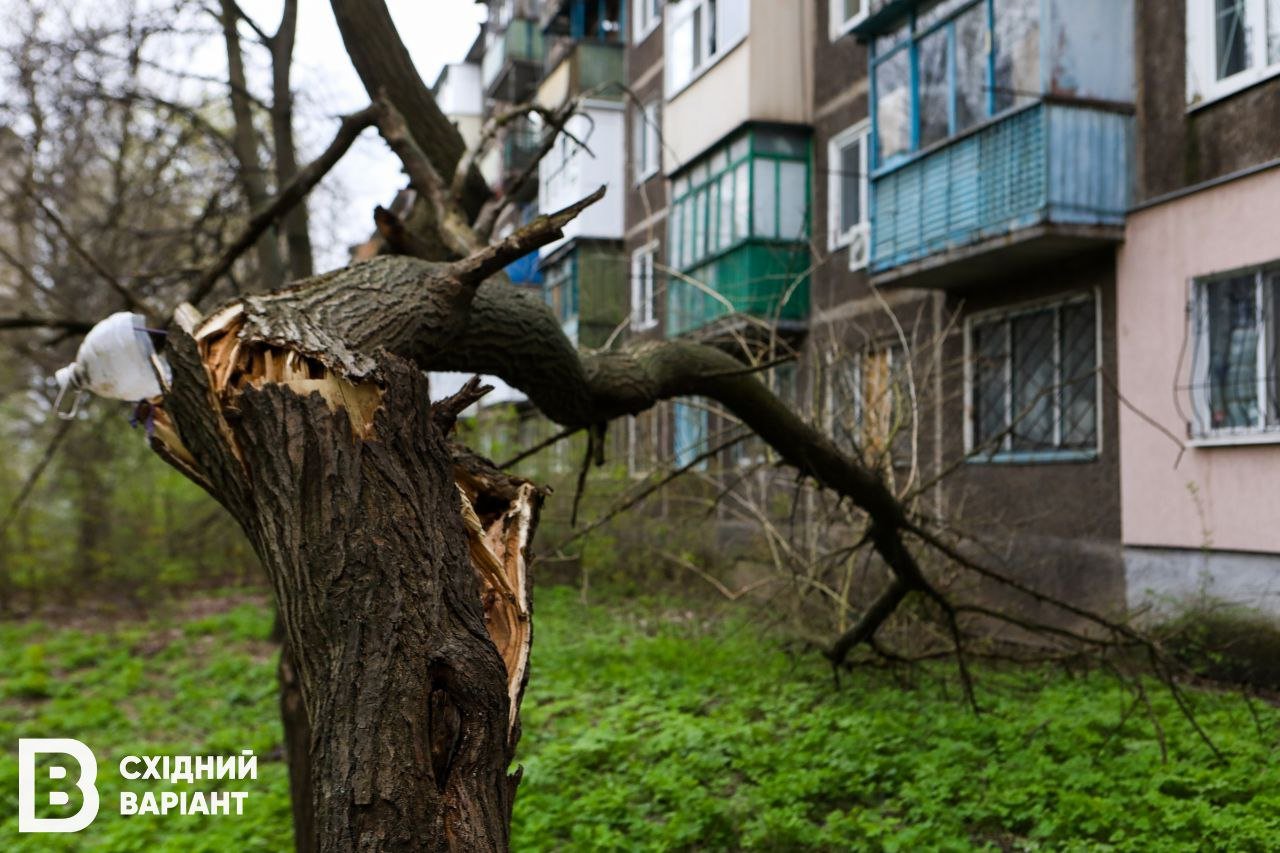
765, 281
1049, 164
591, 64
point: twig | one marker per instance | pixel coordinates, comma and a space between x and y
63, 428
644, 493
284, 201
540, 446
132, 301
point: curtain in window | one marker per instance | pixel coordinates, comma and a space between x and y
1017, 46
990, 353
972, 82
850, 167
1229, 37
934, 64
1079, 376
1233, 352
893, 105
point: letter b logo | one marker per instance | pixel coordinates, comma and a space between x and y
28, 749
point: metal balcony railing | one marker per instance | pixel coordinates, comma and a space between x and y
1046, 164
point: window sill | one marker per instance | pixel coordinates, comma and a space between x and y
839, 30
644, 177
644, 327
1034, 457
1235, 85
1238, 439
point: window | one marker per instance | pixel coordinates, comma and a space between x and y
847, 222
1033, 389
646, 141
1235, 383
868, 401
643, 299
648, 14
1231, 44
944, 70
845, 15
691, 432
757, 185
701, 31
561, 288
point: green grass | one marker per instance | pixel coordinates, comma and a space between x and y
648, 728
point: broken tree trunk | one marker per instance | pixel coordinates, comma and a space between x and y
398, 565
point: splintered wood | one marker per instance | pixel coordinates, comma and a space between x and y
234, 363
499, 525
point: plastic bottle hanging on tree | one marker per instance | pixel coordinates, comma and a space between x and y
116, 359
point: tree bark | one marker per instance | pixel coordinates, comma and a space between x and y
398, 570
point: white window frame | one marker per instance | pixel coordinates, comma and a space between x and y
1203, 85
1004, 454
1210, 436
839, 27
644, 313
646, 141
858, 237
677, 13
646, 15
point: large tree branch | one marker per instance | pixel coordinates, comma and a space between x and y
384, 66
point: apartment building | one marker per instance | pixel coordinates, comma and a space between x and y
1023, 257
1198, 290
585, 273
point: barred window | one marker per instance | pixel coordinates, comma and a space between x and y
1235, 388
869, 406
1034, 384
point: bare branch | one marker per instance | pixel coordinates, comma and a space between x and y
306, 179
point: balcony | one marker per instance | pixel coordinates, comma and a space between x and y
1048, 179
767, 282
576, 67
512, 65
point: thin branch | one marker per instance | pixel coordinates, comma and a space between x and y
132, 301
34, 477
540, 446
306, 179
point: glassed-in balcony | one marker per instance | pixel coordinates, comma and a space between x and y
1001, 133
739, 228
1048, 171
512, 63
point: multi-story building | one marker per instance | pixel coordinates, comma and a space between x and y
1020, 259
926, 200
1198, 322
586, 271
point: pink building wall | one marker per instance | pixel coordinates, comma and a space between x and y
1224, 498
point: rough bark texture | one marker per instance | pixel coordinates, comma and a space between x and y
384, 66
392, 559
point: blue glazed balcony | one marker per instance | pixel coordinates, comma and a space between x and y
1049, 178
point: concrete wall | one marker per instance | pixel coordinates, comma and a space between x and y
1167, 578
1177, 146
1215, 497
